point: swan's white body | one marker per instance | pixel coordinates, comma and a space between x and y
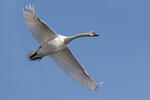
55, 46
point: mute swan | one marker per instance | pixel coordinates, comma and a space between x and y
55, 46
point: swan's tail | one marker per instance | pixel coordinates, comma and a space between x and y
32, 55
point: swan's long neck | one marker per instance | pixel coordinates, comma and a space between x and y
69, 39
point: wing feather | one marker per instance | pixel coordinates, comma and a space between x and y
40, 30
73, 68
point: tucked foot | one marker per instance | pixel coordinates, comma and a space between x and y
32, 55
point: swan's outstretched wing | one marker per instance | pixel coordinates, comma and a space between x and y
72, 67
39, 29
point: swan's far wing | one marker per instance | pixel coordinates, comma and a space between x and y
41, 32
72, 67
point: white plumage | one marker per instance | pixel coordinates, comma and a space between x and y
55, 46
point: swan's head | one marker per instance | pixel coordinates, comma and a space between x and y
93, 34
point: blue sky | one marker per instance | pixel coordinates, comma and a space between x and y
120, 57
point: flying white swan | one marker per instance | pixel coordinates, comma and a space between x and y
55, 46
